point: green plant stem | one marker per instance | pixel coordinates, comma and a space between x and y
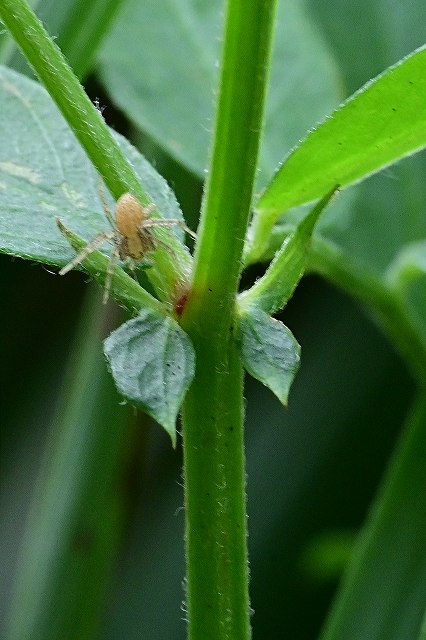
90, 129
216, 552
65, 89
389, 311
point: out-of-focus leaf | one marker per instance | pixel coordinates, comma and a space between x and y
383, 34
384, 592
45, 174
422, 635
160, 66
326, 555
269, 351
78, 508
78, 26
387, 210
152, 361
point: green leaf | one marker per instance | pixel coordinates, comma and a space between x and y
152, 361
81, 28
384, 592
171, 99
273, 290
45, 174
385, 33
361, 241
269, 351
378, 125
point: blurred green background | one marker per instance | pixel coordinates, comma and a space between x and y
312, 469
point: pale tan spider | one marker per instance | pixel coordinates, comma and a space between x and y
130, 234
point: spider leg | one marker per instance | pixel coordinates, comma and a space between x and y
107, 210
109, 274
97, 241
149, 208
132, 267
169, 222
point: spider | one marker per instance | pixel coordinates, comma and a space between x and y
130, 234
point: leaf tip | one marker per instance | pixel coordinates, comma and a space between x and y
62, 228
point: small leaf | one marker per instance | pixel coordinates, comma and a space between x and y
274, 289
152, 361
269, 351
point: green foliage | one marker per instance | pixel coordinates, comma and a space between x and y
269, 351
187, 70
382, 122
46, 174
152, 362
386, 575
158, 63
79, 509
386, 211
80, 27
422, 635
272, 292
407, 278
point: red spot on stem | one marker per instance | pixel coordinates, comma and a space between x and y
181, 303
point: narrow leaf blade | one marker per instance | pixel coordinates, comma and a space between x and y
152, 361
384, 592
381, 123
274, 289
269, 351
422, 635
75, 526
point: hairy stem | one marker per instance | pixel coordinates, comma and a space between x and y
216, 552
